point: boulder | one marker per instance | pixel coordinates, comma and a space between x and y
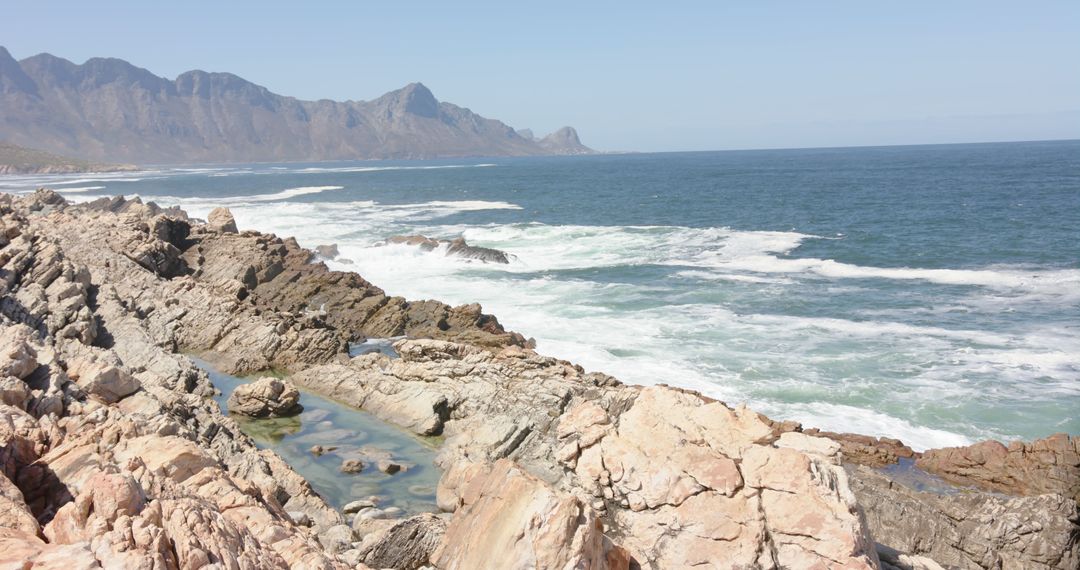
103, 379
221, 220
327, 251
266, 397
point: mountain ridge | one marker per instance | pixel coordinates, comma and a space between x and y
108, 109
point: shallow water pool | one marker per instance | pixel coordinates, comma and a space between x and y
352, 433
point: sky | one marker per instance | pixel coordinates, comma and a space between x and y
657, 76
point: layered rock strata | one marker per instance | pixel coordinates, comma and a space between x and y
545, 465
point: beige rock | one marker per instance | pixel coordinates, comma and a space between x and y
221, 220
509, 516
104, 380
266, 397
174, 457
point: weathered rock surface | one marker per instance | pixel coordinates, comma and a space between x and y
544, 464
456, 247
221, 220
622, 452
971, 530
508, 515
110, 455
266, 397
1050, 465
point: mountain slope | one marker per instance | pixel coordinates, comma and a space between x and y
110, 110
21, 160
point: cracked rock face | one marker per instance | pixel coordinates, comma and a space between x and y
677, 480
971, 530
112, 454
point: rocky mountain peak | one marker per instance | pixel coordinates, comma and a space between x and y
12, 77
564, 141
415, 99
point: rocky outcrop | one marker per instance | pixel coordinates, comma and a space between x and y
456, 247
544, 464
266, 397
971, 530
866, 450
644, 460
109, 453
329, 251
1050, 465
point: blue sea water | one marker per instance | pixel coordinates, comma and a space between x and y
930, 293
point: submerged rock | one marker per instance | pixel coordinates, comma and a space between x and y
266, 397
456, 247
352, 466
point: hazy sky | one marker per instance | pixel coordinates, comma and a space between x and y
649, 76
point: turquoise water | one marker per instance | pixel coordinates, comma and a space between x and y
927, 293
330, 424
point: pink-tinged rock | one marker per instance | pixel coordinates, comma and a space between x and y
513, 520
19, 550
102, 379
175, 457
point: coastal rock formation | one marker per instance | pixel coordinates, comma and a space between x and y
111, 451
1050, 465
327, 251
971, 530
452, 248
266, 397
645, 459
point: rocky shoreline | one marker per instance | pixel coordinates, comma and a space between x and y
113, 454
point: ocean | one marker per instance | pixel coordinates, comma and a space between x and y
927, 293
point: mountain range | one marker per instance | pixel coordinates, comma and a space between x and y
110, 110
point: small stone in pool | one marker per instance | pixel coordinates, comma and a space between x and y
351, 466
389, 467
318, 450
356, 506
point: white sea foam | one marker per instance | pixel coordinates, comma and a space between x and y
288, 193
323, 170
79, 189
1014, 278
841, 418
